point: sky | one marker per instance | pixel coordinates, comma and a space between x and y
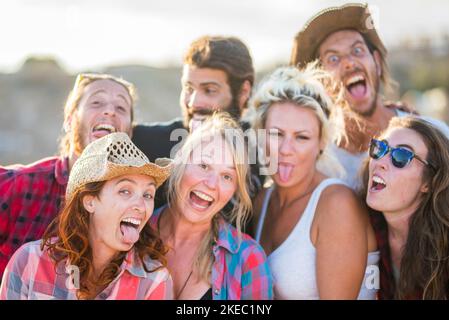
89, 34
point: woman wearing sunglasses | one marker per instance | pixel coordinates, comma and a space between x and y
407, 188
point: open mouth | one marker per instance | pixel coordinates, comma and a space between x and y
356, 86
377, 184
103, 129
200, 199
129, 228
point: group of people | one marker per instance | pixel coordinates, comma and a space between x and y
357, 206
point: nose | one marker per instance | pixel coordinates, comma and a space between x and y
348, 62
383, 163
285, 147
195, 100
109, 110
211, 180
139, 205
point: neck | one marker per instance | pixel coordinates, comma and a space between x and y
176, 230
360, 131
288, 195
72, 158
398, 227
101, 257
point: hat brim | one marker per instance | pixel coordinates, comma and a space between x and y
319, 27
159, 171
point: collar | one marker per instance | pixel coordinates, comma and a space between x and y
227, 234
62, 170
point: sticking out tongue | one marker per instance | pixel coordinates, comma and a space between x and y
130, 234
358, 90
285, 171
198, 200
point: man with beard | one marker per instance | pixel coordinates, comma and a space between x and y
31, 195
346, 42
217, 74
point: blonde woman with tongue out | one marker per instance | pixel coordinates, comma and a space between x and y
100, 246
318, 239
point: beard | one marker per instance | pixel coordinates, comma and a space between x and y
233, 109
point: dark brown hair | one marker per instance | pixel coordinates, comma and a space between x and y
425, 260
228, 54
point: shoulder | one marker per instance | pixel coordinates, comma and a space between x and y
45, 165
157, 127
28, 254
340, 205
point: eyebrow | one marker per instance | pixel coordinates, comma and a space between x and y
134, 182
335, 51
203, 84
296, 132
405, 146
104, 91
231, 167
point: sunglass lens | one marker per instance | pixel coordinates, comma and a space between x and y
377, 149
401, 157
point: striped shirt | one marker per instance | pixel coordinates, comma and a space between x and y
31, 275
240, 270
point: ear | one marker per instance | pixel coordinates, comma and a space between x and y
245, 92
424, 188
378, 62
89, 203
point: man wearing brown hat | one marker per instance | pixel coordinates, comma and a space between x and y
346, 42
32, 195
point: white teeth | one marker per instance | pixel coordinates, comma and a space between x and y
133, 221
354, 79
105, 126
203, 196
378, 179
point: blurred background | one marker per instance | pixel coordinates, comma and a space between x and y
46, 43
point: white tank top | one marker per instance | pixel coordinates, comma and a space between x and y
293, 263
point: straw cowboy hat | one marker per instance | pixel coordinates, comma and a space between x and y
112, 156
354, 16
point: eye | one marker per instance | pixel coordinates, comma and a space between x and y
210, 90
228, 177
148, 196
302, 137
124, 192
121, 109
275, 133
333, 59
203, 166
358, 51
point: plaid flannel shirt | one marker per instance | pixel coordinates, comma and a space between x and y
30, 198
240, 271
31, 275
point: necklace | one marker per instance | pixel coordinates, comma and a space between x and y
184, 285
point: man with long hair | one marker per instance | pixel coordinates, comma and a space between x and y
32, 195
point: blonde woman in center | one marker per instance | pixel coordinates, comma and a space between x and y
314, 230
209, 258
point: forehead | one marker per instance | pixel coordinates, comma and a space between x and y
340, 40
133, 178
108, 86
203, 75
216, 150
406, 136
291, 117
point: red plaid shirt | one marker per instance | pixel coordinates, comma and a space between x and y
30, 198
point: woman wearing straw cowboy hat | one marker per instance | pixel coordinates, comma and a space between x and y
100, 246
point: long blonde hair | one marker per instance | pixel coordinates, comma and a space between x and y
223, 126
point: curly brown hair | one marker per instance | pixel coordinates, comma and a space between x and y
67, 238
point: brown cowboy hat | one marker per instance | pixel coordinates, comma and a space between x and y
349, 16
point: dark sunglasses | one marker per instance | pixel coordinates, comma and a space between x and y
400, 157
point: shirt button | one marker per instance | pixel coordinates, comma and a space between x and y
217, 291
103, 296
